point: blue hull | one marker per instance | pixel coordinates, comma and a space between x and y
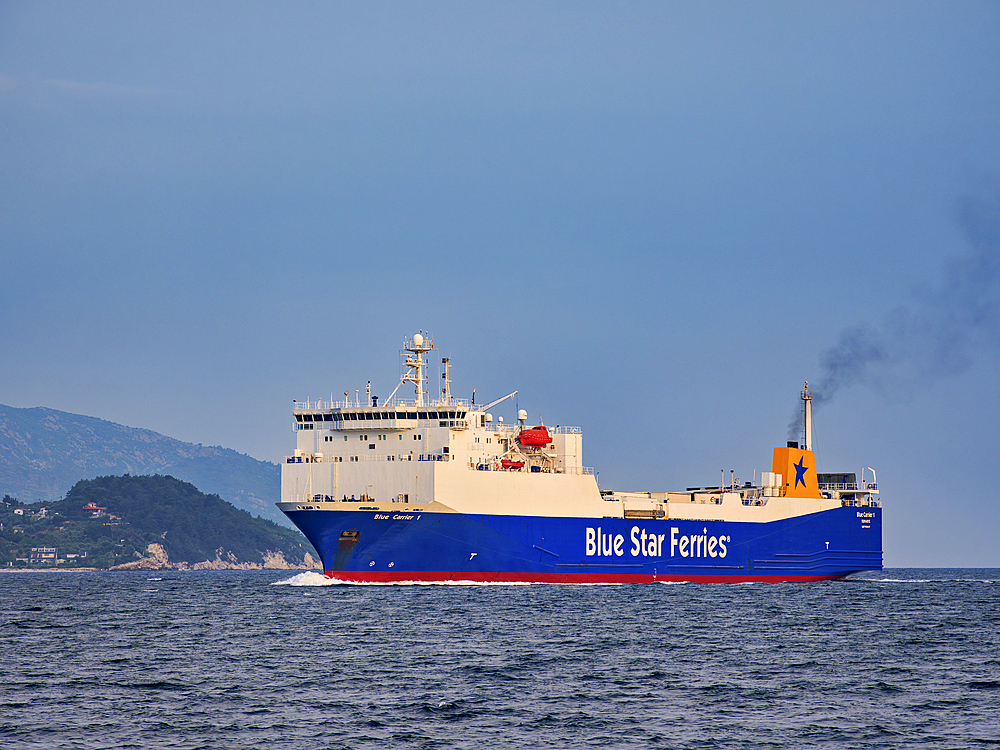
399, 545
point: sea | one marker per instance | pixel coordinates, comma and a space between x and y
284, 659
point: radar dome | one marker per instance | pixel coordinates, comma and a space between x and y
522, 415
418, 340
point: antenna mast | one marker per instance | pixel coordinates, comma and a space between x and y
415, 362
446, 387
807, 416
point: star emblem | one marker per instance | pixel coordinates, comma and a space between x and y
800, 472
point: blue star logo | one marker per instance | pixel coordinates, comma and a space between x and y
800, 472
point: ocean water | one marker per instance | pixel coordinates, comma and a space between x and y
898, 658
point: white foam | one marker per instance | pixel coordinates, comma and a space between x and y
318, 579
308, 578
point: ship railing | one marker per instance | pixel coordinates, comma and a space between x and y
361, 458
560, 430
364, 459
305, 500
852, 487
860, 502
397, 424
512, 429
574, 470
356, 403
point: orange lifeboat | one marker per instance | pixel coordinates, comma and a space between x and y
535, 437
508, 464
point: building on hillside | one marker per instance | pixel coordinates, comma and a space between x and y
44, 556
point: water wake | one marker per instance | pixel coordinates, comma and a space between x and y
318, 579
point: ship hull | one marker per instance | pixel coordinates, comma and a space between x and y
401, 545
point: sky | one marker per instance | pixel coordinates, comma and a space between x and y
654, 220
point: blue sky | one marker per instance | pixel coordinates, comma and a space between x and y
654, 220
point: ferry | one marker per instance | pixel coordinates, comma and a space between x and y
435, 489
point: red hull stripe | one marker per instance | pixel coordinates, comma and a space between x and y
385, 576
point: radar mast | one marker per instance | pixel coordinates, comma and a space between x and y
416, 365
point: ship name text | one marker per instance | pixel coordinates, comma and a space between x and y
601, 544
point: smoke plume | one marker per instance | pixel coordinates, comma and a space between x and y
939, 335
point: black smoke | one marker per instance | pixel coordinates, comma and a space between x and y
940, 334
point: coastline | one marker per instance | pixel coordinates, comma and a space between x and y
158, 560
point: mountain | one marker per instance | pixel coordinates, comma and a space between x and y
149, 522
44, 452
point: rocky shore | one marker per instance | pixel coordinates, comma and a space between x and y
157, 559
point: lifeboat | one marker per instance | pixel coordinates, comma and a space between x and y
535, 437
508, 464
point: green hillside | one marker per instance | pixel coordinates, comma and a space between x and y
44, 452
113, 520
